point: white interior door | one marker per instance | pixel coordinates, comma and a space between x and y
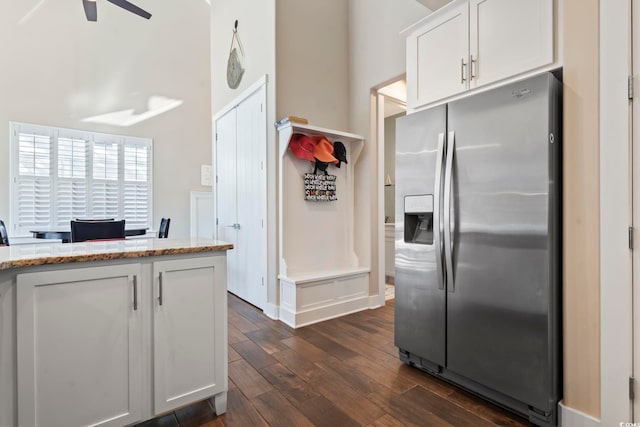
226, 189
251, 192
241, 196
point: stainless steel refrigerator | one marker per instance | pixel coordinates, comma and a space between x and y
478, 244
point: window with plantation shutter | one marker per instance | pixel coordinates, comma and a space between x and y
63, 174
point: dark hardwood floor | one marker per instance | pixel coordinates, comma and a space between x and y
342, 372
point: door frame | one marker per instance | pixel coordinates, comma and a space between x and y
257, 85
377, 132
617, 298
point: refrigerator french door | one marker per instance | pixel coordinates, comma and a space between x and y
478, 244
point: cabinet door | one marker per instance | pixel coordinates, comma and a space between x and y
437, 58
189, 330
79, 347
509, 37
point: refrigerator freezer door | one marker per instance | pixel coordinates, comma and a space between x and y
419, 295
499, 316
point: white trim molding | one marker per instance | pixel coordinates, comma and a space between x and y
570, 417
616, 333
272, 311
198, 207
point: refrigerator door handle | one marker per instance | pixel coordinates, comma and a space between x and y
448, 178
437, 220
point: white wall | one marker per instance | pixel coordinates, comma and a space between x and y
307, 41
58, 69
321, 68
257, 30
313, 61
377, 56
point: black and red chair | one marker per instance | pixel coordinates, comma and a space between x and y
81, 231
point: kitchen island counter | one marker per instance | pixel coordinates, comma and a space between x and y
111, 333
56, 253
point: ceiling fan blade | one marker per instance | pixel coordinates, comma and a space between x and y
131, 8
90, 10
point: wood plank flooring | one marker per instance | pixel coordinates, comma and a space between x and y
343, 372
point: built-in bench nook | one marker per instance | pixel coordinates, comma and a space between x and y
321, 275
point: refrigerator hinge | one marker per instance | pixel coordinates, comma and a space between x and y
631, 238
630, 87
632, 393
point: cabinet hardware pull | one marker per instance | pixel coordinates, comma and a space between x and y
135, 293
462, 68
473, 68
160, 288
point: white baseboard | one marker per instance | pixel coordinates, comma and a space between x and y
317, 315
570, 417
272, 311
376, 301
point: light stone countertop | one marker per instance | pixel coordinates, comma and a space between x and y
62, 253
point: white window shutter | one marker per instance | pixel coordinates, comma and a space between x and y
71, 183
33, 181
105, 187
136, 185
34, 155
104, 200
34, 203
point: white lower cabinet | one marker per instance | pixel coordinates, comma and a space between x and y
83, 337
189, 334
79, 347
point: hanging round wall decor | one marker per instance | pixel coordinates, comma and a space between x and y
235, 71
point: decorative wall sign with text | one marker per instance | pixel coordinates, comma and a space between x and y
320, 187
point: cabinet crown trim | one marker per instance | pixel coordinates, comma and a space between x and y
433, 15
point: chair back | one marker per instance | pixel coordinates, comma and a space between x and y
4, 236
163, 231
82, 231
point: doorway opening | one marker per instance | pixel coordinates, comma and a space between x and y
391, 103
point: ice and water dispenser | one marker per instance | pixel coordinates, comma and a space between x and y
418, 219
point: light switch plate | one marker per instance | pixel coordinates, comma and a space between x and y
205, 175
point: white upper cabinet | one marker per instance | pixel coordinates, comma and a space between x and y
472, 43
508, 37
438, 57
